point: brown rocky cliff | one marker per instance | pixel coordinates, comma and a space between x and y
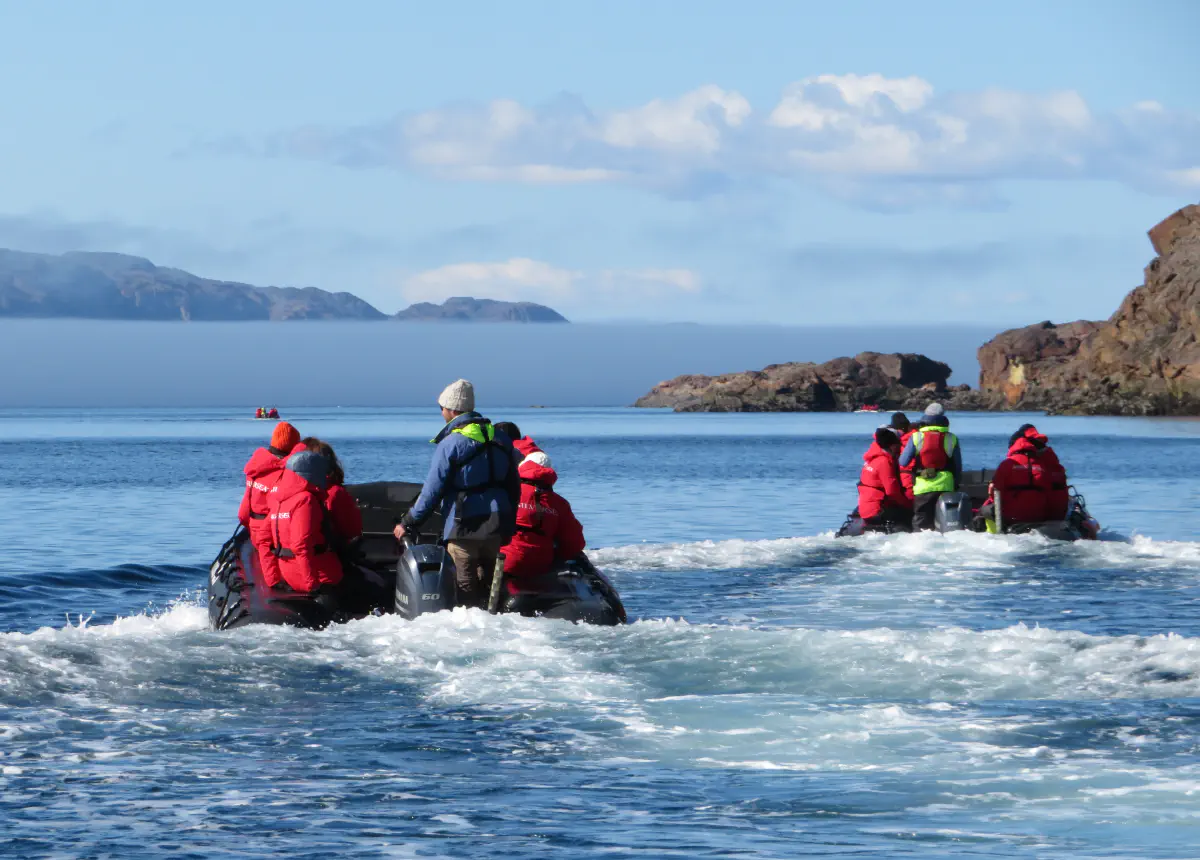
1145, 360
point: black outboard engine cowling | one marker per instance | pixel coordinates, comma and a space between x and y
424, 580
954, 512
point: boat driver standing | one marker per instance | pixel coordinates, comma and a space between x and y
473, 481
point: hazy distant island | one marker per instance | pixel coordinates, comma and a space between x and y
464, 308
1143, 360
110, 286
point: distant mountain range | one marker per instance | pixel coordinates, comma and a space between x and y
88, 285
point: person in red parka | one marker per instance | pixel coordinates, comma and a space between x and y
343, 509
1031, 481
263, 471
301, 526
1054, 476
547, 530
881, 496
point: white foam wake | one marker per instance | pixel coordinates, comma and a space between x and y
962, 549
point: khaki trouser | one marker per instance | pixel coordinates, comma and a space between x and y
474, 563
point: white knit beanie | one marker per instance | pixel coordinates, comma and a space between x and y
934, 409
459, 396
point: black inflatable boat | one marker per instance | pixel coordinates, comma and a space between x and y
958, 511
383, 577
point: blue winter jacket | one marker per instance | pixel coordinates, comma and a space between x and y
489, 479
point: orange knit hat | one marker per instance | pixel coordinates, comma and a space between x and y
285, 437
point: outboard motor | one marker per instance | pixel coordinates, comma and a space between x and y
424, 580
953, 513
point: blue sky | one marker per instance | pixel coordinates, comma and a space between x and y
792, 162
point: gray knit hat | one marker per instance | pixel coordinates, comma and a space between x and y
459, 396
933, 410
310, 466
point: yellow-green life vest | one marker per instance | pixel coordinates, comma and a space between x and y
942, 481
477, 432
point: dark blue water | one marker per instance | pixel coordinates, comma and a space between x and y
782, 694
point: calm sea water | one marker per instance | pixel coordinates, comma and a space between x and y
781, 694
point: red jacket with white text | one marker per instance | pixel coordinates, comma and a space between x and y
306, 558
263, 471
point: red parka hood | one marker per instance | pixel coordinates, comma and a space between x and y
530, 471
537, 473
526, 446
1024, 445
875, 452
263, 462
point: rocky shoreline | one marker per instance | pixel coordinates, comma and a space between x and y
1144, 360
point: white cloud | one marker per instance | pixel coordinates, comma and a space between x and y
517, 279
692, 123
523, 279
865, 133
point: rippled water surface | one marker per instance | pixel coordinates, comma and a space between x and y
781, 694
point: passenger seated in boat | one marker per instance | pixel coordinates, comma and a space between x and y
881, 497
512, 431
1031, 481
344, 514
1058, 496
360, 589
547, 530
905, 430
263, 471
308, 561
273, 412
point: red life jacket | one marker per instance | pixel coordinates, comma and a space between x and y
301, 535
1053, 478
1022, 483
879, 486
933, 449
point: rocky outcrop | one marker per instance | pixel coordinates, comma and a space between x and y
466, 309
118, 286
895, 381
1145, 360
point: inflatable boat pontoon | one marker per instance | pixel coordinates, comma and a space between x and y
383, 576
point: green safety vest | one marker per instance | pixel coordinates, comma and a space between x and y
943, 481
481, 433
